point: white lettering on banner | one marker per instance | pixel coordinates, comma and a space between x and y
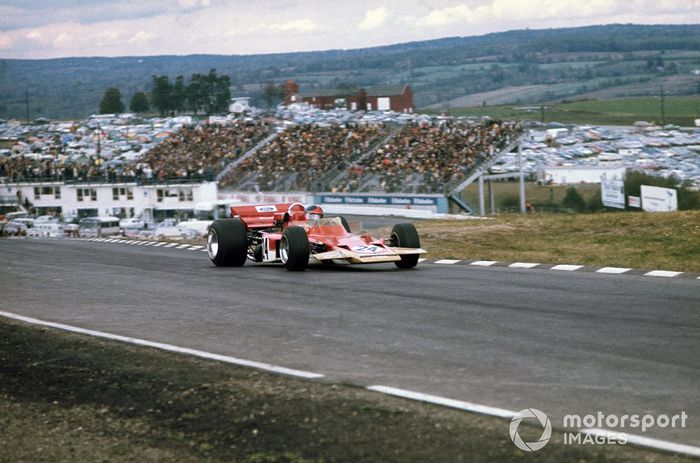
354, 200
375, 200
331, 200
424, 201
400, 201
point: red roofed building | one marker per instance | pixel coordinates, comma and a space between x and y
397, 98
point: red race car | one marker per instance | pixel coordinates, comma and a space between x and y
292, 234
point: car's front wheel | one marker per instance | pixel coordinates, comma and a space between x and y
405, 235
227, 243
294, 249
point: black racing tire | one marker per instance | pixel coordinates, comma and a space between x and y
227, 243
294, 249
405, 235
258, 253
345, 223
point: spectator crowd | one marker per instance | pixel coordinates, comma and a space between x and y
193, 152
201, 151
422, 158
301, 156
418, 157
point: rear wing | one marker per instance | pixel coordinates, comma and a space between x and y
261, 215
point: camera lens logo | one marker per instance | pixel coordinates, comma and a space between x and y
546, 432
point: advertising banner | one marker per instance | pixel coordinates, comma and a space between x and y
657, 199
612, 191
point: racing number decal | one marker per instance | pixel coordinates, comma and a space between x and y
366, 248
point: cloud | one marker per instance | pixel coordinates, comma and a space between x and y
545, 12
55, 28
63, 40
193, 3
448, 15
305, 25
6, 42
374, 18
142, 37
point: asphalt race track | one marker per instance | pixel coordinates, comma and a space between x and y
512, 338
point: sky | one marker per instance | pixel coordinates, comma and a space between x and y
62, 28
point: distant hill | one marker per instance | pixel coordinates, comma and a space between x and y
533, 65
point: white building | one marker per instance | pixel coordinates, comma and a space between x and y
567, 175
151, 202
239, 105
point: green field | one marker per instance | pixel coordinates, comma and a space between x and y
669, 241
621, 111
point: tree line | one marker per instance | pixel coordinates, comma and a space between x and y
201, 94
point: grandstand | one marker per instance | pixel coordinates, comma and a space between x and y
422, 158
419, 157
303, 158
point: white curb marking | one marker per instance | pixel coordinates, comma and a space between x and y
169, 347
566, 267
647, 442
446, 261
662, 273
421, 259
433, 399
161, 243
484, 263
183, 246
170, 245
523, 265
508, 414
613, 270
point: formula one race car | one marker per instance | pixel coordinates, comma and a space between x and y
292, 234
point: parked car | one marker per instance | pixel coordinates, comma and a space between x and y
14, 228
132, 224
99, 226
47, 219
46, 229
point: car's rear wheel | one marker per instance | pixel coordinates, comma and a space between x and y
227, 243
405, 235
294, 249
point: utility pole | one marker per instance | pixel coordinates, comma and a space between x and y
26, 105
663, 106
542, 114
521, 177
99, 135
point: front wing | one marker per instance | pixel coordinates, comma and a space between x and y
354, 257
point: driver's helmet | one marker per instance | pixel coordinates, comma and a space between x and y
314, 212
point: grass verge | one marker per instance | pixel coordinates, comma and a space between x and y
67, 397
669, 241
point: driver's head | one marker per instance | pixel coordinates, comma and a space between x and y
314, 212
